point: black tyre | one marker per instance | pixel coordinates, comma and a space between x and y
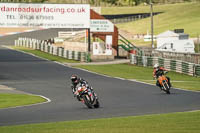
168, 92
166, 87
97, 105
87, 102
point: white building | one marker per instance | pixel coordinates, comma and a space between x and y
175, 41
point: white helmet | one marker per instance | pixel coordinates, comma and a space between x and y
156, 66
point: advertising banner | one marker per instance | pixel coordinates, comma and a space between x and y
109, 40
103, 48
45, 15
101, 25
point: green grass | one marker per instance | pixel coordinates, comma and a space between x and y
142, 43
187, 122
185, 16
13, 100
144, 74
45, 55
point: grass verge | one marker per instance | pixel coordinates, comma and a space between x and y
45, 55
187, 122
13, 100
144, 74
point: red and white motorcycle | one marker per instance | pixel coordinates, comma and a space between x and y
87, 96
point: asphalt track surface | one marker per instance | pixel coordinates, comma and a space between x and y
118, 97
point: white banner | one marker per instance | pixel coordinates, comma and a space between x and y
45, 15
109, 45
101, 25
103, 48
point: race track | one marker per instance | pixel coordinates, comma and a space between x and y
118, 97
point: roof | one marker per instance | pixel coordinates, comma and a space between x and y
168, 34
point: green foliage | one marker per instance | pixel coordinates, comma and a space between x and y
38, 1
113, 2
103, 2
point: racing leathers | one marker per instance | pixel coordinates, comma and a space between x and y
81, 82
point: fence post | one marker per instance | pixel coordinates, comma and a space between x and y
75, 55
70, 56
65, 53
149, 61
132, 58
197, 70
54, 50
16, 43
144, 61
173, 65
83, 56
139, 60
185, 67
161, 62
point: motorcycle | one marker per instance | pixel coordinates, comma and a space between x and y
87, 96
163, 81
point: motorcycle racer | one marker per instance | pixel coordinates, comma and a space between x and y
159, 71
77, 82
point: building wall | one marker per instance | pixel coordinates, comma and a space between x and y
163, 40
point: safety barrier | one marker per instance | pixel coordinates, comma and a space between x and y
169, 64
51, 49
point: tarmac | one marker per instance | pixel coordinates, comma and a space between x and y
6, 89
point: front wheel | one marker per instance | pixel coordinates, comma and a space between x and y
86, 99
166, 87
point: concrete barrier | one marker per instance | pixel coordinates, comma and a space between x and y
51, 49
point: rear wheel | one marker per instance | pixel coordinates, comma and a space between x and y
96, 105
168, 92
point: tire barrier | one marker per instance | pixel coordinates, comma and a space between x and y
171, 65
49, 48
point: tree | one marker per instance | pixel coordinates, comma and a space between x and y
130, 2
137, 2
113, 2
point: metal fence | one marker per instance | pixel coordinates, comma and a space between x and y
123, 18
128, 19
51, 49
169, 64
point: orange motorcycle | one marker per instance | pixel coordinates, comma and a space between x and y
163, 81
